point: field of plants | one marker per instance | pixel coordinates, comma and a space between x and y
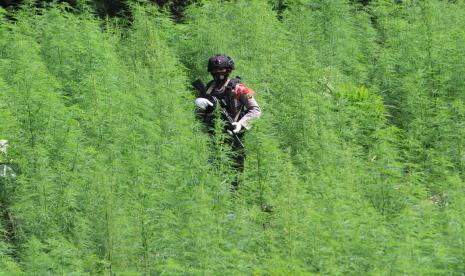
359, 153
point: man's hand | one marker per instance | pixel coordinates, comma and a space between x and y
237, 127
203, 103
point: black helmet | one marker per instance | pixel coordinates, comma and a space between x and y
220, 62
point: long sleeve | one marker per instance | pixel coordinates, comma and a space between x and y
253, 110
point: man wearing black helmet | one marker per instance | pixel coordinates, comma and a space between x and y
236, 99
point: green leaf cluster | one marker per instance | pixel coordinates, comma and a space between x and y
356, 166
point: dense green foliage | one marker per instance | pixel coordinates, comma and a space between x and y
359, 153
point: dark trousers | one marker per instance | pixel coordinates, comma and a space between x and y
238, 158
238, 153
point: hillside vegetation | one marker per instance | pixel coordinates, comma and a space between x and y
360, 152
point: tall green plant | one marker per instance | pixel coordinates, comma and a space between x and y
301, 114
45, 142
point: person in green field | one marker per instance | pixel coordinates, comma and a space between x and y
5, 163
236, 99
7, 176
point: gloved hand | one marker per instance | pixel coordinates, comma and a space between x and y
203, 103
237, 127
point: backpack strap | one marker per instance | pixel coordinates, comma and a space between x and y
210, 89
232, 83
212, 85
